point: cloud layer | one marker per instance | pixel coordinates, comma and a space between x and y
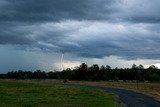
86, 28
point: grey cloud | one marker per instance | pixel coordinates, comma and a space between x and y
43, 24
89, 39
12, 35
15, 15
139, 11
35, 11
54, 10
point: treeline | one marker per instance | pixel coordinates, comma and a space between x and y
92, 73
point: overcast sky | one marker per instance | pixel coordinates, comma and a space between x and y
35, 33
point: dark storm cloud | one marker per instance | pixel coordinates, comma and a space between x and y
15, 14
140, 11
10, 34
144, 11
54, 10
87, 28
144, 19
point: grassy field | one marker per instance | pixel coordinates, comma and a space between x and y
14, 93
152, 89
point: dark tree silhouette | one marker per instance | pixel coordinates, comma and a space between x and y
94, 72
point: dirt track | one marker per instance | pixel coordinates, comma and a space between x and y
130, 98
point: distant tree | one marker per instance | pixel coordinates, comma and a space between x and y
81, 72
53, 75
103, 73
154, 77
39, 75
3, 76
108, 67
94, 72
135, 71
134, 66
152, 67
109, 72
66, 74
141, 72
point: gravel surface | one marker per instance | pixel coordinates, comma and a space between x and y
130, 98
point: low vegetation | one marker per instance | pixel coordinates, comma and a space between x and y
31, 93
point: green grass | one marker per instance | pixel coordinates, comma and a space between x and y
36, 94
